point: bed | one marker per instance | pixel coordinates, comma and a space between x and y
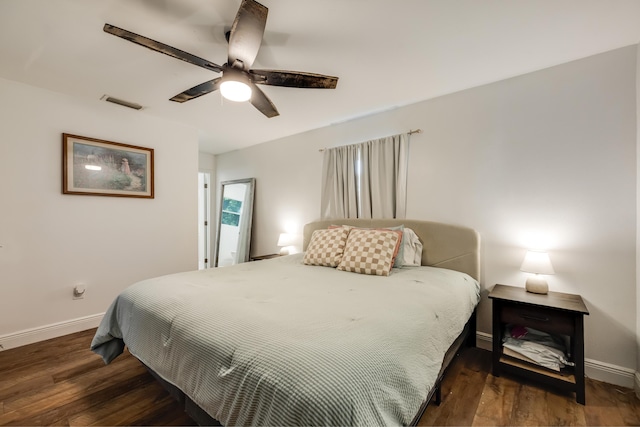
278, 342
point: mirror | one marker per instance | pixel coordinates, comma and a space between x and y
235, 214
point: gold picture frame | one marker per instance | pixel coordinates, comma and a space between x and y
103, 168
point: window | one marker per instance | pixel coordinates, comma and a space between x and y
231, 210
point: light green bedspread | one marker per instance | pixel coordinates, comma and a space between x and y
276, 342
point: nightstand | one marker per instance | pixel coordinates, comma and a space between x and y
555, 313
261, 257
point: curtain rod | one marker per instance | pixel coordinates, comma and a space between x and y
411, 132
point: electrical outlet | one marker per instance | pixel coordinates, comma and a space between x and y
78, 291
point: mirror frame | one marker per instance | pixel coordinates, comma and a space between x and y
251, 184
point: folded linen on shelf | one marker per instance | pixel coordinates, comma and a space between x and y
543, 349
508, 352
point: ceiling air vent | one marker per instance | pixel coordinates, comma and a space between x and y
122, 102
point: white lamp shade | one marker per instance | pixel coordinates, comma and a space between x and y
286, 239
287, 243
537, 262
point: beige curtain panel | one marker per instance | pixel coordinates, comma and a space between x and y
366, 180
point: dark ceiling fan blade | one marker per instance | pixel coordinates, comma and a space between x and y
246, 33
196, 91
262, 102
161, 47
293, 79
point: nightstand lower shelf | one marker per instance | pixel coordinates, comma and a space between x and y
506, 364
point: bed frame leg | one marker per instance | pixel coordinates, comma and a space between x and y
439, 393
471, 337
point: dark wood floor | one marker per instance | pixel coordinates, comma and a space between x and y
472, 396
60, 382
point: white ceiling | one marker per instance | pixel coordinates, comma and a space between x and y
386, 53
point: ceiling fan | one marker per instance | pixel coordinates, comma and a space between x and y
238, 81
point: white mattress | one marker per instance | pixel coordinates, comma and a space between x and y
276, 342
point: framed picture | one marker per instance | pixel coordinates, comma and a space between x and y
104, 168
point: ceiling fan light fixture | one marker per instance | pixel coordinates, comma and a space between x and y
235, 85
235, 91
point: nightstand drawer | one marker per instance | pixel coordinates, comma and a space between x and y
543, 319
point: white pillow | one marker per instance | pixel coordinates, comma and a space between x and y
412, 253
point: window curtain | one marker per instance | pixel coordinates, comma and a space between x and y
367, 180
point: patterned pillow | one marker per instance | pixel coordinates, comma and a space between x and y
398, 255
370, 251
326, 247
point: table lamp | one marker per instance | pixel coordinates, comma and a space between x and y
537, 262
286, 241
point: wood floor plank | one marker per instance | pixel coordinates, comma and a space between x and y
46, 372
167, 414
48, 365
13, 374
133, 405
628, 405
47, 398
461, 390
602, 407
43, 385
530, 408
445, 410
44, 351
60, 414
509, 400
16, 386
633, 400
496, 402
76, 368
564, 411
462, 396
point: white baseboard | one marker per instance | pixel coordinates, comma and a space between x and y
612, 374
595, 369
54, 330
484, 341
637, 384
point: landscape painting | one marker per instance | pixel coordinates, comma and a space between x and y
103, 168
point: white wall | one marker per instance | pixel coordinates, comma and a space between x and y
544, 160
51, 242
637, 373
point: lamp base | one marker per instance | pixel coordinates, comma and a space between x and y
284, 250
537, 285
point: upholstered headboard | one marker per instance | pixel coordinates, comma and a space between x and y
444, 245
